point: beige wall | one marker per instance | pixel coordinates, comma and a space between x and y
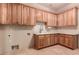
2, 40
19, 36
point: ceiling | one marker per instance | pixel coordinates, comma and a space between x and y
54, 6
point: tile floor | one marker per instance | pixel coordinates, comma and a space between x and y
53, 50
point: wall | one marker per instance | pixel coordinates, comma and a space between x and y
18, 36
1, 39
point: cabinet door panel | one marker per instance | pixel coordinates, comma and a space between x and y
74, 15
9, 14
48, 40
66, 41
14, 14
71, 41
32, 18
55, 20
19, 13
52, 40
60, 20
39, 15
25, 15
45, 16
61, 40
56, 39
3, 13
65, 19
69, 18
49, 20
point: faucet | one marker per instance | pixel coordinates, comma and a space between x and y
41, 28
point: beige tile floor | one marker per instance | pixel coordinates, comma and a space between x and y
53, 50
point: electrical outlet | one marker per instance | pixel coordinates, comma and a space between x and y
14, 47
28, 33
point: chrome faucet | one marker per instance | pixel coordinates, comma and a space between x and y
41, 28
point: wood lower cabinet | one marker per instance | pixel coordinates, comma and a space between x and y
41, 41
71, 41
68, 40
61, 39
56, 39
52, 39
47, 40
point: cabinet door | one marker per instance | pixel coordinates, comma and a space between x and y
19, 14
25, 15
9, 14
14, 14
45, 16
69, 18
71, 41
66, 41
52, 40
50, 20
47, 40
60, 20
3, 14
32, 18
65, 19
56, 39
41, 41
72, 17
39, 15
55, 20
61, 40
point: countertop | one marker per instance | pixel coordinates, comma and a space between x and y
55, 33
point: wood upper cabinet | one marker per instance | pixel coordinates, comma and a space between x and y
14, 13
45, 17
19, 14
65, 19
49, 23
32, 16
5, 13
55, 20
25, 15
52, 20
72, 17
39, 15
9, 14
60, 20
